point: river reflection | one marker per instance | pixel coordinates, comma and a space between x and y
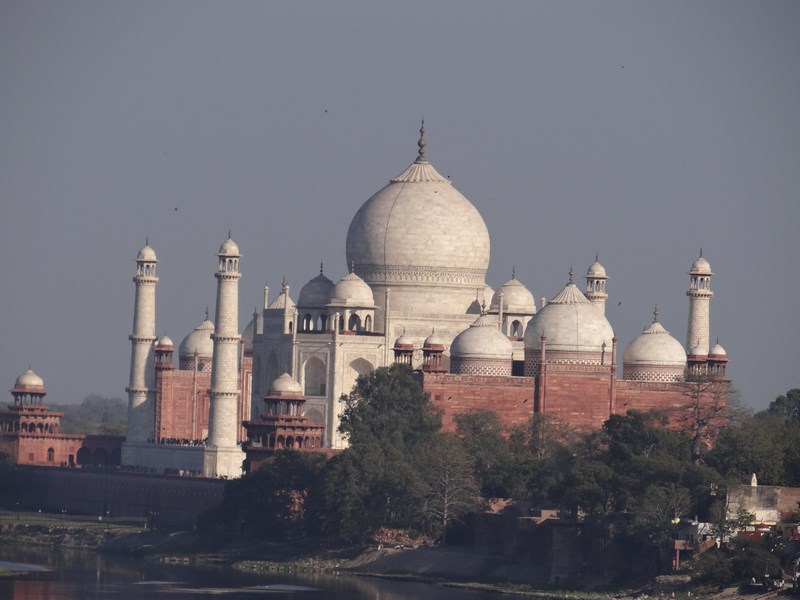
80, 575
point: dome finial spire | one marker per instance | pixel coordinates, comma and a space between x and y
147, 240
514, 272
596, 257
422, 143
320, 267
206, 312
571, 273
655, 314
701, 252
352, 266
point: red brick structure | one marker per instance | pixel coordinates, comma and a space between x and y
30, 433
183, 395
282, 426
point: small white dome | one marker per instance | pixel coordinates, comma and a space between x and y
596, 270
482, 339
316, 293
353, 291
285, 383
434, 339
165, 341
228, 248
29, 380
198, 341
571, 323
717, 350
697, 350
516, 298
404, 340
654, 346
147, 254
700, 267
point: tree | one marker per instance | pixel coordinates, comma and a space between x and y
451, 490
705, 413
270, 503
787, 407
376, 482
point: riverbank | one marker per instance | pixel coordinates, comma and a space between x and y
446, 567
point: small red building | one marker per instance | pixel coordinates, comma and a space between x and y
30, 432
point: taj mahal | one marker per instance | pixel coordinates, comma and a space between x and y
418, 253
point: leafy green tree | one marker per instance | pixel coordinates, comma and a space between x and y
270, 503
496, 468
786, 407
390, 425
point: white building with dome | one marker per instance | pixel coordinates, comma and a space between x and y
418, 253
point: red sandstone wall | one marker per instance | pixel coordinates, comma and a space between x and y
581, 400
510, 397
174, 500
183, 404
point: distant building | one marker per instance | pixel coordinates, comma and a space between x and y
30, 433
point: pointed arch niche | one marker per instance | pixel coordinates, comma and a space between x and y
314, 377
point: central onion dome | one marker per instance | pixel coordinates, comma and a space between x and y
481, 349
572, 326
423, 239
654, 355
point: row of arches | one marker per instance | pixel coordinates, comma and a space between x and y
146, 269
315, 375
320, 323
25, 427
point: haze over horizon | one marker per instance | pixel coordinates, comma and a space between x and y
638, 131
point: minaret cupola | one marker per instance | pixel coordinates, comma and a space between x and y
596, 284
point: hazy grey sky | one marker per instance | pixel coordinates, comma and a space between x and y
638, 130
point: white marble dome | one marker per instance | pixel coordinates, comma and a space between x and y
198, 341
29, 380
482, 339
147, 254
229, 248
717, 350
316, 293
419, 234
434, 339
571, 323
654, 346
404, 340
351, 290
516, 298
285, 383
165, 341
700, 267
596, 270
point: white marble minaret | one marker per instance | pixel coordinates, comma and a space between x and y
141, 387
596, 285
223, 456
699, 292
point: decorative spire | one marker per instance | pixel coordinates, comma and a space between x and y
229, 234
514, 272
596, 257
571, 273
284, 284
352, 266
320, 267
422, 143
701, 252
147, 240
655, 314
206, 312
